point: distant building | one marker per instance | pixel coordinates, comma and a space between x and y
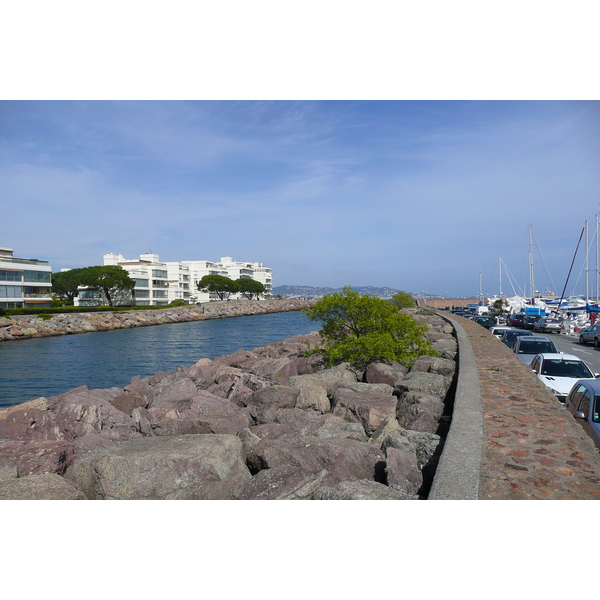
227, 267
159, 283
24, 282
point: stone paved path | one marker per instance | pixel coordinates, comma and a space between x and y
533, 447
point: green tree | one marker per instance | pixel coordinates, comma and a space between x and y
365, 329
65, 284
111, 279
403, 300
218, 284
250, 287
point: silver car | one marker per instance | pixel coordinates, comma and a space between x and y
527, 347
590, 335
547, 325
583, 402
511, 335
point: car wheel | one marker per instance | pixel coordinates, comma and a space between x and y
581, 340
596, 343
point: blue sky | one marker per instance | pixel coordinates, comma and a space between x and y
416, 195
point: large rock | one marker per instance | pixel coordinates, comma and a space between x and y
45, 486
30, 424
419, 411
330, 379
36, 456
384, 373
402, 471
425, 446
343, 458
370, 405
174, 394
360, 489
428, 383
205, 413
189, 467
277, 370
434, 364
446, 347
313, 397
278, 396
286, 482
86, 412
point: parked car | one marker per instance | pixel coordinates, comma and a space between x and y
559, 372
590, 335
548, 325
486, 322
511, 335
515, 320
529, 321
528, 346
499, 331
583, 402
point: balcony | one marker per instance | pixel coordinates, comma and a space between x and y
23, 261
46, 296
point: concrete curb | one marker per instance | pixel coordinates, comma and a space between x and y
459, 469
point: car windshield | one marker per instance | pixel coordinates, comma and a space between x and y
533, 347
511, 335
565, 368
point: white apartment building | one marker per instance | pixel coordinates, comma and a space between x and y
159, 283
227, 267
156, 283
24, 282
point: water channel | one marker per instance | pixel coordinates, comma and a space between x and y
49, 366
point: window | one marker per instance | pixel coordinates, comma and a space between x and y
11, 275
566, 368
596, 411
11, 291
159, 273
87, 294
11, 305
141, 282
37, 276
141, 294
527, 347
576, 394
584, 403
159, 294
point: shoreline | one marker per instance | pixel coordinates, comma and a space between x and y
20, 327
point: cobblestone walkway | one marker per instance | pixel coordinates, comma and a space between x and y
533, 447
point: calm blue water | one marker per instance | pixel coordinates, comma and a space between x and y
50, 366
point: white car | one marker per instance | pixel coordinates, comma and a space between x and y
499, 331
560, 371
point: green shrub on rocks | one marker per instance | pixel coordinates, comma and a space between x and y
365, 329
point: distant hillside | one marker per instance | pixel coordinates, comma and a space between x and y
307, 291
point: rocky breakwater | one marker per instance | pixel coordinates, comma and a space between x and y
25, 326
269, 423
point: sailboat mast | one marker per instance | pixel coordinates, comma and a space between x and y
586, 262
500, 269
531, 282
596, 258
